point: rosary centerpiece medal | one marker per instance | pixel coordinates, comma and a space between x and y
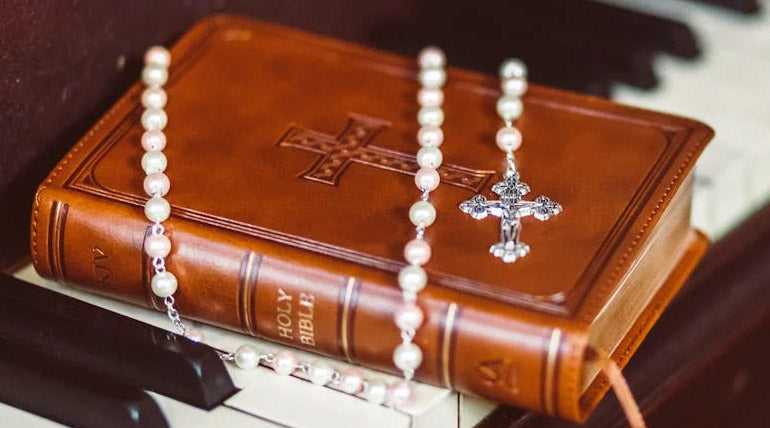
510, 207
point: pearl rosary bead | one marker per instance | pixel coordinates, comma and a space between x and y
285, 362
409, 317
429, 157
246, 357
157, 209
427, 179
164, 284
351, 381
153, 140
320, 373
432, 77
509, 107
157, 246
154, 161
430, 136
154, 75
431, 57
513, 67
422, 214
154, 119
514, 86
157, 55
154, 97
430, 116
407, 356
508, 138
417, 252
156, 184
412, 278
430, 97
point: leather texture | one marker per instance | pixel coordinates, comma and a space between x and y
291, 160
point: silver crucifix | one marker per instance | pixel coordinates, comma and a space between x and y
510, 208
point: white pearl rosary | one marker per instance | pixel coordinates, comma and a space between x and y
154, 163
412, 279
513, 75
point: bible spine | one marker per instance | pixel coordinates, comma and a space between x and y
255, 286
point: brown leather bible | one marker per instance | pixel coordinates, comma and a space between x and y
292, 161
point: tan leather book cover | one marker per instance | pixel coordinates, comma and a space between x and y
291, 161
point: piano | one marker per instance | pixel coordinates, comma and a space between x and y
718, 88
706, 59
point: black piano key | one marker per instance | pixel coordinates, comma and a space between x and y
592, 86
36, 383
118, 347
628, 26
475, 52
567, 43
601, 62
608, 56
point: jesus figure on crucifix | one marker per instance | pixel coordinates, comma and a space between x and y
510, 208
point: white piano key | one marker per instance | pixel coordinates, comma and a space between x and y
722, 196
758, 173
303, 404
726, 89
473, 410
179, 414
222, 417
13, 417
